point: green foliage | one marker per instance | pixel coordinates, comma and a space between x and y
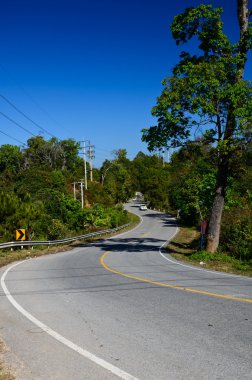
240, 243
96, 216
192, 182
151, 177
63, 207
53, 153
16, 212
37, 181
223, 259
115, 177
118, 216
206, 95
207, 256
236, 236
11, 159
97, 193
206, 89
236, 232
100, 216
40, 196
56, 230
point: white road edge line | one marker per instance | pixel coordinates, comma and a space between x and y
190, 266
88, 355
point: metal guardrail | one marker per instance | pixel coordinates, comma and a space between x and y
20, 243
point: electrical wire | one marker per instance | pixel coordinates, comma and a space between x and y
13, 138
103, 156
104, 150
23, 114
14, 122
14, 79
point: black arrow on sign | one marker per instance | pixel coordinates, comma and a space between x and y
20, 235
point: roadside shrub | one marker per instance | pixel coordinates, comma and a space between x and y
236, 234
118, 216
56, 230
209, 256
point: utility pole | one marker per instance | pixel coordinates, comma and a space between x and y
85, 163
81, 190
160, 155
91, 156
163, 158
82, 194
74, 191
88, 150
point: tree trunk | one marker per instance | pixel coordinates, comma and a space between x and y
243, 14
214, 227
213, 234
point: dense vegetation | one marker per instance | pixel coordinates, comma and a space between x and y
192, 184
37, 190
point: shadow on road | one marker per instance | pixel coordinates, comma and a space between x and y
128, 244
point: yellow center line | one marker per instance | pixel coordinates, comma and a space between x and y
112, 270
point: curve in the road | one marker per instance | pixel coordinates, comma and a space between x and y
102, 261
88, 355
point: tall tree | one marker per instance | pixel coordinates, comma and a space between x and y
11, 158
207, 93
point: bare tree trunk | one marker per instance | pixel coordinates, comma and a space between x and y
243, 14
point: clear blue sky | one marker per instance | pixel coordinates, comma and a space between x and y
88, 69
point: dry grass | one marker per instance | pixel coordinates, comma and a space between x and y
4, 372
185, 242
5, 375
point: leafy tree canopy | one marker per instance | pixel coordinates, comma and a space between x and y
203, 89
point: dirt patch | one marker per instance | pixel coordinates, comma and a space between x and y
5, 370
11, 367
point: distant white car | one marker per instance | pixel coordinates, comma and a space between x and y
142, 207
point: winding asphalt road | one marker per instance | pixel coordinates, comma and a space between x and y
122, 308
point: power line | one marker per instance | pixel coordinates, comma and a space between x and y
13, 138
13, 78
23, 114
14, 122
105, 150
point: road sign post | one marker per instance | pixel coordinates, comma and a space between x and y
203, 227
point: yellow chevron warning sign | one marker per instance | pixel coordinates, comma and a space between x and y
20, 234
